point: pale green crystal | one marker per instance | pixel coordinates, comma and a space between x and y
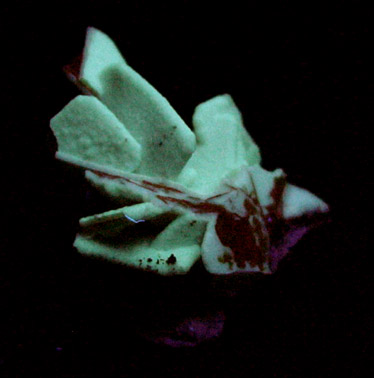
177, 184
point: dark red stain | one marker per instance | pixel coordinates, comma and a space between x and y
275, 220
73, 72
234, 231
277, 196
74, 68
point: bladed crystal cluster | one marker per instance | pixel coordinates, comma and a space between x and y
185, 194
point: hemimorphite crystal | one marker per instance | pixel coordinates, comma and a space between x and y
191, 195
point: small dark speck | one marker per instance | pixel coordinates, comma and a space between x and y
192, 223
171, 260
158, 261
160, 144
149, 260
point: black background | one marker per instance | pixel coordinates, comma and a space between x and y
300, 76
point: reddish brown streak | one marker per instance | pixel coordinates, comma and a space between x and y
114, 177
147, 184
102, 174
160, 186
